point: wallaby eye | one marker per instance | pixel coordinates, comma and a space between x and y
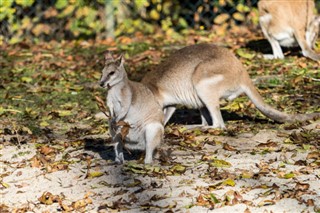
111, 73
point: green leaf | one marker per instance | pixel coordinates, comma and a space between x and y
214, 198
306, 146
25, 3
289, 175
244, 54
6, 3
60, 4
26, 79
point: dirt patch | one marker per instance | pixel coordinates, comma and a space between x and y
273, 170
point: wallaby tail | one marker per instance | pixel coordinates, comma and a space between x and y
270, 112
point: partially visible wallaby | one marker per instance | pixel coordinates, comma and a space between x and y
134, 104
290, 23
198, 76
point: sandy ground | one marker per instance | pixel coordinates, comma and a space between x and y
265, 174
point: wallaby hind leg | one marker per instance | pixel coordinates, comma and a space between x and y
168, 112
118, 148
213, 105
153, 138
275, 45
205, 116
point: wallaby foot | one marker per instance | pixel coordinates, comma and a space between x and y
269, 56
118, 149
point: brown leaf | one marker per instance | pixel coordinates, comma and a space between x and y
247, 210
310, 202
266, 203
229, 147
102, 106
267, 144
201, 201
46, 150
302, 186
124, 128
313, 155
35, 162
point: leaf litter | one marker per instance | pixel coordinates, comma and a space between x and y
56, 156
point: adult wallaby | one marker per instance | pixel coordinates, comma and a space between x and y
132, 103
290, 23
198, 76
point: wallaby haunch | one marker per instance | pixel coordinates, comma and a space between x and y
198, 76
132, 103
290, 23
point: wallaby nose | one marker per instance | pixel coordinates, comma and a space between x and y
101, 83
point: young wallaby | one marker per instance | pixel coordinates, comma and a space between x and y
132, 103
198, 76
290, 23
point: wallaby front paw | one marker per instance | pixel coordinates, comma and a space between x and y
147, 160
119, 159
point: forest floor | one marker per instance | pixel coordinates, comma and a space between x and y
55, 154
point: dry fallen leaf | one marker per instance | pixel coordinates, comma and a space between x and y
124, 129
302, 186
102, 106
46, 150
313, 155
48, 198
229, 147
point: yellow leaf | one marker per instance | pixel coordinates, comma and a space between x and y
63, 113
67, 11
26, 79
247, 174
229, 182
5, 184
220, 163
44, 124
243, 8
94, 174
178, 168
154, 14
222, 18
238, 16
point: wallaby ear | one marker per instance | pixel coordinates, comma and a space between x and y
108, 56
120, 60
